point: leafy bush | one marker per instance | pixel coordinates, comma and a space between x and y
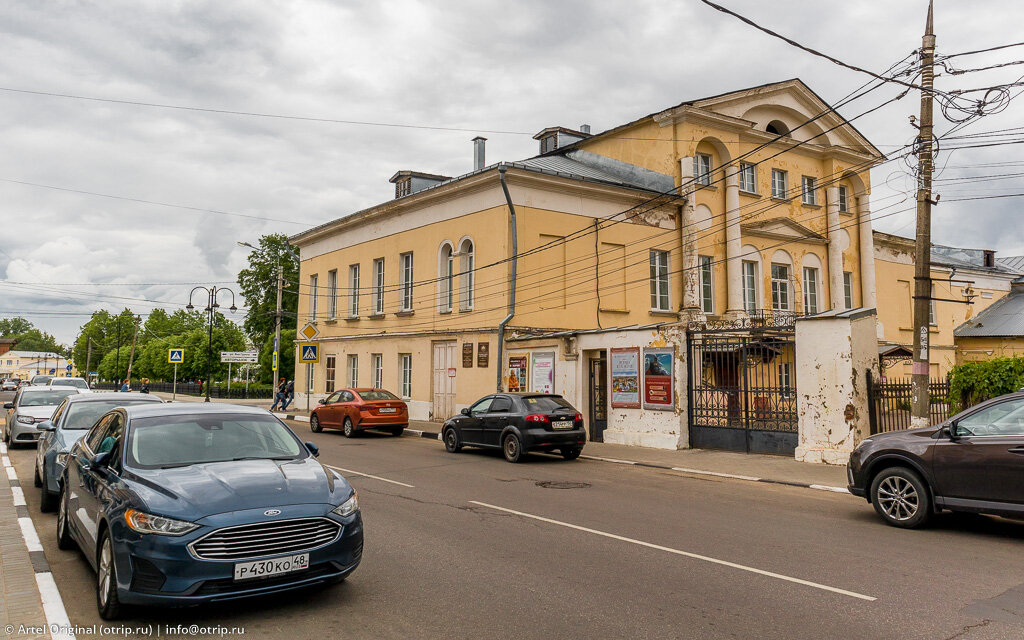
975, 382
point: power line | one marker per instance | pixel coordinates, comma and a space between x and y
968, 53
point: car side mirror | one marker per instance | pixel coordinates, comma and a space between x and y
47, 426
465, 411
100, 460
322, 401
315, 450
953, 431
8, 405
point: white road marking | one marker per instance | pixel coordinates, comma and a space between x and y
825, 487
11, 473
679, 552
608, 460
19, 495
3, 448
53, 607
6, 461
367, 475
716, 473
28, 532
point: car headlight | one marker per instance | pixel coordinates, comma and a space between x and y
26, 419
148, 523
348, 507
62, 458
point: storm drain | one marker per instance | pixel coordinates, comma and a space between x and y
552, 484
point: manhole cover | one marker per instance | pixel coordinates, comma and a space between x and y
551, 484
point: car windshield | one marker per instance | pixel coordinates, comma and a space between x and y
546, 403
41, 379
82, 415
47, 398
185, 440
69, 382
377, 394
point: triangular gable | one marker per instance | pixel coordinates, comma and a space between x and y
781, 228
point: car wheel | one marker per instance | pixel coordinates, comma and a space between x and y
451, 441
64, 539
47, 501
106, 580
37, 481
571, 453
314, 424
900, 497
348, 428
512, 448
397, 431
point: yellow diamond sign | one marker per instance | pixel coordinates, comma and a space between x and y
309, 331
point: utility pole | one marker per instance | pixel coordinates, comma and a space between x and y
277, 321
920, 398
88, 357
131, 356
117, 355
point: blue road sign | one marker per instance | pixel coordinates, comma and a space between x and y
309, 352
175, 356
68, 368
53, 372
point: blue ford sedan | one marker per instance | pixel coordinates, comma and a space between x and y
182, 504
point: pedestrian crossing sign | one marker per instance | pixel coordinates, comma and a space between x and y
175, 356
309, 352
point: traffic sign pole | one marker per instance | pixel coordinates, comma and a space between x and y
229, 380
174, 388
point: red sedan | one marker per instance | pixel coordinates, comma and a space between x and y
353, 410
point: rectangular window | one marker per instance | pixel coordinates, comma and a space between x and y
707, 292
467, 278
844, 200
931, 308
780, 287
314, 296
353, 371
353, 291
810, 190
749, 286
403, 187
780, 184
848, 289
786, 378
748, 177
407, 282
659, 281
329, 377
405, 367
702, 168
378, 371
810, 290
378, 287
332, 292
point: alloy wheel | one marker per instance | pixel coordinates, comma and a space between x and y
898, 498
106, 571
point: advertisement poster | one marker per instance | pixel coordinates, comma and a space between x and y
626, 378
516, 373
542, 374
658, 388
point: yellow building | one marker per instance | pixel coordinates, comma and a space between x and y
958, 276
745, 207
996, 332
25, 364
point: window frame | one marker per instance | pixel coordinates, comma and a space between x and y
780, 177
406, 271
446, 277
467, 274
377, 294
314, 295
405, 374
332, 292
353, 284
781, 300
661, 289
809, 190
749, 285
810, 287
843, 196
352, 366
707, 284
377, 359
744, 167
330, 372
848, 289
702, 168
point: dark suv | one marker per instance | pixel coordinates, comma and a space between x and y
517, 423
973, 462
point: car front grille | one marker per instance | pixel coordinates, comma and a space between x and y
265, 539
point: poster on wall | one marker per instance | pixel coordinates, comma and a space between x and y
542, 372
626, 378
658, 386
516, 373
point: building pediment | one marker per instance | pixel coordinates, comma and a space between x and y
781, 229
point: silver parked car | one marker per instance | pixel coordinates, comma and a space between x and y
31, 407
10, 384
78, 383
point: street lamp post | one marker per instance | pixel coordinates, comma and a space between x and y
211, 308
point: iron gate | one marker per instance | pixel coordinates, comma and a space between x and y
742, 389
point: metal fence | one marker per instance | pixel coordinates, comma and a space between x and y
890, 401
238, 390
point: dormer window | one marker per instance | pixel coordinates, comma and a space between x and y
403, 187
557, 137
549, 143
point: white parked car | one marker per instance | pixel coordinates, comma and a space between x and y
78, 383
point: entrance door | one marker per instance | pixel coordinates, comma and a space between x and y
598, 397
444, 382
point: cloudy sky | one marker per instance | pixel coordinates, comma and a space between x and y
486, 65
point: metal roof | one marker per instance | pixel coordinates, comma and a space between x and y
1005, 318
1013, 263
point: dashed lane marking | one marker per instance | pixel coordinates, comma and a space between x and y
367, 475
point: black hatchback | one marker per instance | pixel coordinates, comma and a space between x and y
517, 423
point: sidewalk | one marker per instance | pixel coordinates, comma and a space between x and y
739, 466
25, 612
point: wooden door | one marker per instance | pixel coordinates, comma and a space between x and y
444, 382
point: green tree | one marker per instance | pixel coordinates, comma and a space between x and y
107, 332
287, 360
258, 284
29, 337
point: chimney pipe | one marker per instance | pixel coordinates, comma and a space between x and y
585, 128
478, 152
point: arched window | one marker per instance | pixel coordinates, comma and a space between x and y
445, 277
467, 276
751, 278
778, 127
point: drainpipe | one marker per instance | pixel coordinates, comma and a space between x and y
512, 285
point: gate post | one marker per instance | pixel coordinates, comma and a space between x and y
834, 350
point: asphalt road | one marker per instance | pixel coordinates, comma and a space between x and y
470, 546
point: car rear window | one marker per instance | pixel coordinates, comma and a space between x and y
546, 403
44, 398
69, 382
82, 415
377, 394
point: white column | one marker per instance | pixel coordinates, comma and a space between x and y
867, 252
835, 252
733, 243
688, 237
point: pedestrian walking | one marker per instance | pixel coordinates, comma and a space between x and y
125, 387
145, 386
279, 394
289, 394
